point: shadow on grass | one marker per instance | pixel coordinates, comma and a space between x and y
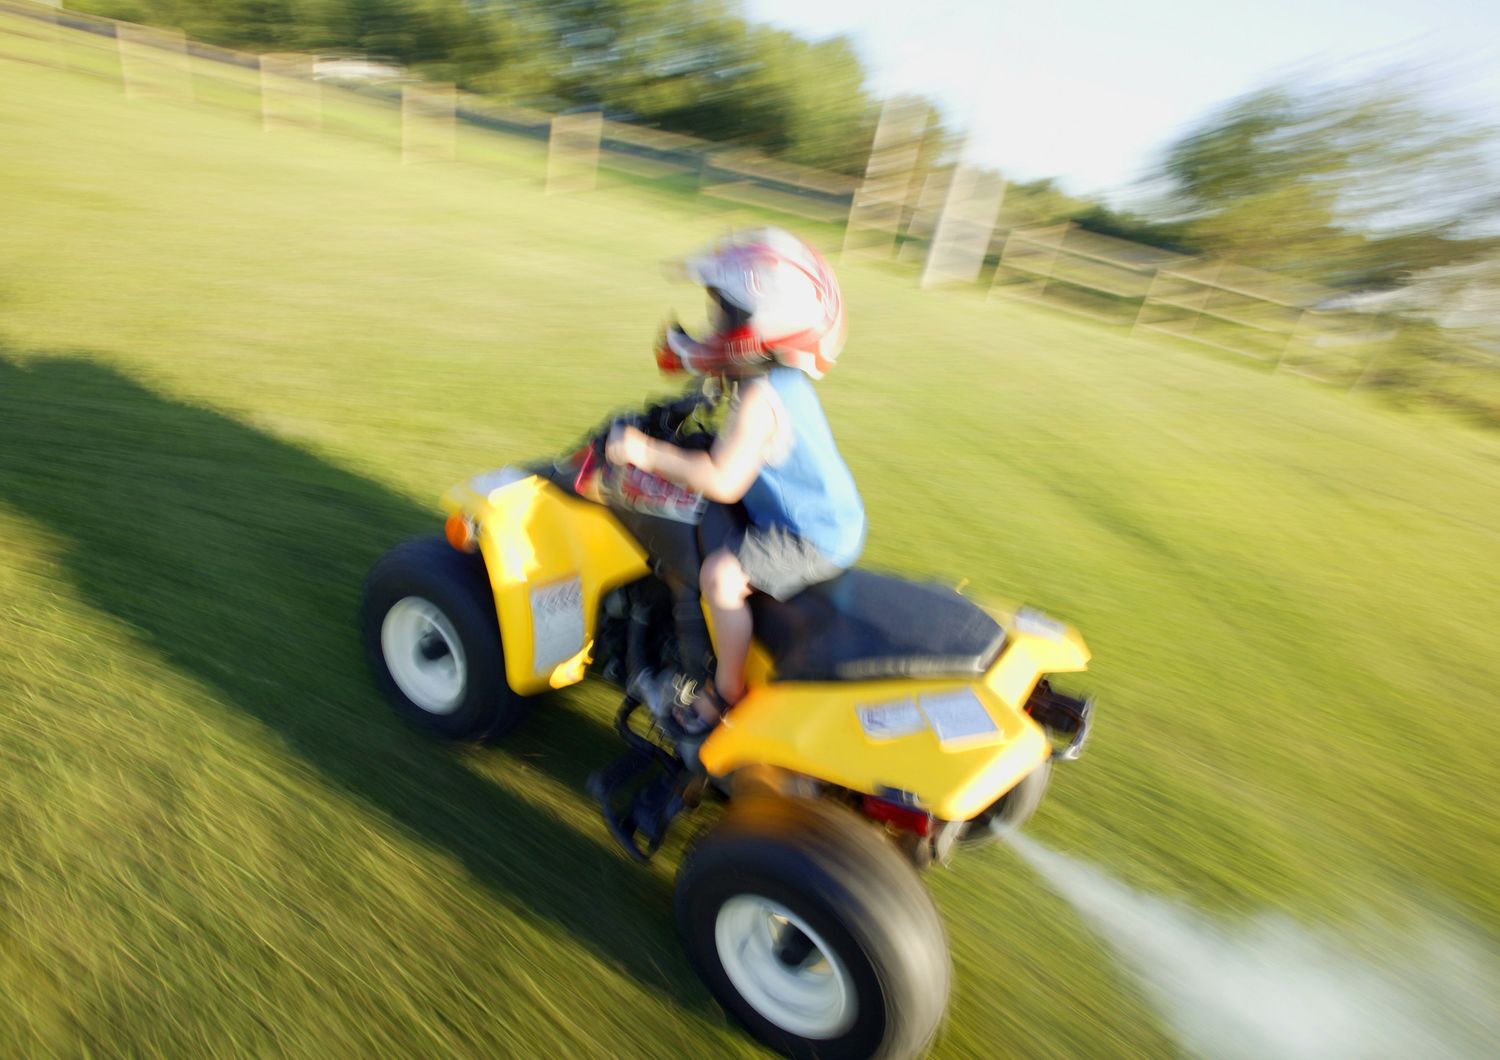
239, 558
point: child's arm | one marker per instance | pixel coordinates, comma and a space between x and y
723, 473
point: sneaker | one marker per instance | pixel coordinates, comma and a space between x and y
663, 692
700, 714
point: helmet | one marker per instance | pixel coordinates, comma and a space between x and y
771, 298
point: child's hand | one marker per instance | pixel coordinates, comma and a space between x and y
626, 445
666, 357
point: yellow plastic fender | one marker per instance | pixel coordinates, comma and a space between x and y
551, 558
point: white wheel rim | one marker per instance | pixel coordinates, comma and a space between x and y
424, 655
813, 998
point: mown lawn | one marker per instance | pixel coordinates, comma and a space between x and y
235, 366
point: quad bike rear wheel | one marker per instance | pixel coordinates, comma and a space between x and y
433, 641
1010, 811
813, 932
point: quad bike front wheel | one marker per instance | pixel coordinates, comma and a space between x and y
813, 932
433, 641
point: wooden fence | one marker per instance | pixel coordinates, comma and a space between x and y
1231, 308
943, 220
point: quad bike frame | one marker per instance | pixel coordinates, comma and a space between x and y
553, 559
845, 768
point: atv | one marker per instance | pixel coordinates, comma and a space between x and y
888, 723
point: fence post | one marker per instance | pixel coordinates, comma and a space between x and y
429, 117
289, 97
1145, 299
925, 207
878, 205
1057, 248
961, 236
1209, 290
573, 152
153, 62
1291, 337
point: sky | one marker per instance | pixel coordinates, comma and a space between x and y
1092, 91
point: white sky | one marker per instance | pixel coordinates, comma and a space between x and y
1091, 91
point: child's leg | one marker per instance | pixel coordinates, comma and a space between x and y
726, 588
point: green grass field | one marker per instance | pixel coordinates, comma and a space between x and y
236, 366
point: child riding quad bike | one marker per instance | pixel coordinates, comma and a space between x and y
884, 724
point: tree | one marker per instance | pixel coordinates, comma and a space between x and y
1352, 184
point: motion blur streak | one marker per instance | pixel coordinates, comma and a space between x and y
1271, 987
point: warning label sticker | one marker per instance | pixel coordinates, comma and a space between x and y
958, 717
887, 721
556, 624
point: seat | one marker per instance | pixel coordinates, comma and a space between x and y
862, 625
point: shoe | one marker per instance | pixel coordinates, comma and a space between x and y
663, 692
689, 717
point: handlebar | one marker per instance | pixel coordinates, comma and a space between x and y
662, 420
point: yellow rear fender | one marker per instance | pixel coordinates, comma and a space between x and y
551, 559
950, 747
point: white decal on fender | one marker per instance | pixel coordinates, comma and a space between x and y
958, 717
888, 721
556, 624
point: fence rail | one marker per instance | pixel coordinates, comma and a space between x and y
1078, 271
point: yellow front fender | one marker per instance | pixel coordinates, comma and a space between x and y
551, 558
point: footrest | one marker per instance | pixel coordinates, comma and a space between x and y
639, 797
641, 791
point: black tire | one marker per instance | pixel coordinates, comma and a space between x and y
846, 883
1011, 810
455, 585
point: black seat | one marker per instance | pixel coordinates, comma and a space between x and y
863, 625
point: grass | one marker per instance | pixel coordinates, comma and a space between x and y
236, 366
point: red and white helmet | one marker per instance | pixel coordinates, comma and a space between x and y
771, 298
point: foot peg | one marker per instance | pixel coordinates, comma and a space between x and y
641, 791
639, 800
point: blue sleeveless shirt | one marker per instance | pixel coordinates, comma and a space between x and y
806, 487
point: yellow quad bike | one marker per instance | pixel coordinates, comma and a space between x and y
887, 724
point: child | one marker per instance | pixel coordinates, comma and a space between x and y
778, 324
